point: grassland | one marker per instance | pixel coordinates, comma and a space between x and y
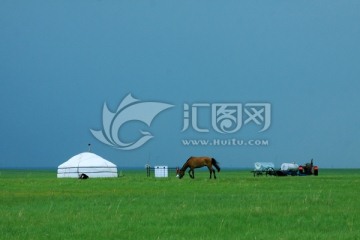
37, 205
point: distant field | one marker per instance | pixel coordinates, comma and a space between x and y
37, 205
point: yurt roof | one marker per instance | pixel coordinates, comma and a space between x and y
87, 159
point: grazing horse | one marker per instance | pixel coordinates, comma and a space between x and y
198, 162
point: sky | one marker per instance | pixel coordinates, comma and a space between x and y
63, 62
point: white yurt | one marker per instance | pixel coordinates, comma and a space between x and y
87, 163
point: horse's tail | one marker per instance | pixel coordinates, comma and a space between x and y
215, 163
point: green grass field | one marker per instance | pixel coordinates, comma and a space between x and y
37, 205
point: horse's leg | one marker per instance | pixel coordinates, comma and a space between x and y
191, 173
211, 171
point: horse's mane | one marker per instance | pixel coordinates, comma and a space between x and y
185, 166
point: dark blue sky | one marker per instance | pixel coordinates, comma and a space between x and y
60, 61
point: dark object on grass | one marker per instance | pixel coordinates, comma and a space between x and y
83, 176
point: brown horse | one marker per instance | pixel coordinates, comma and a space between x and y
198, 162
